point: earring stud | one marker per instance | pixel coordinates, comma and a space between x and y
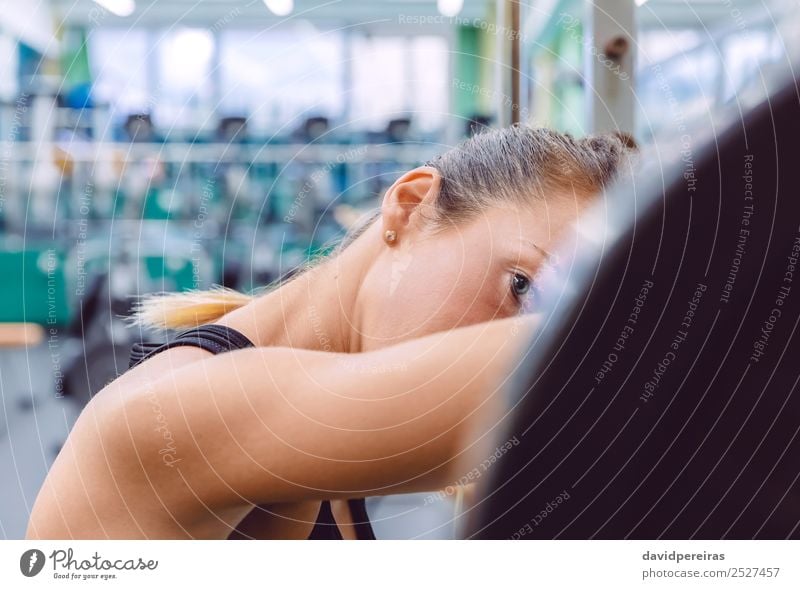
390, 236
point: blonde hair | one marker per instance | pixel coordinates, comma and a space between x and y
183, 310
517, 163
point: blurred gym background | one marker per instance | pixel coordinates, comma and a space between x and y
155, 145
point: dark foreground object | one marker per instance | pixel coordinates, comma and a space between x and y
661, 400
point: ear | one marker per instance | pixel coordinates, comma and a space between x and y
412, 192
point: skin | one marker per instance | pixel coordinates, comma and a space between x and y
375, 373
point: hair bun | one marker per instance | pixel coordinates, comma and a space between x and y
627, 140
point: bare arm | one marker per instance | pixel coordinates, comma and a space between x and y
275, 425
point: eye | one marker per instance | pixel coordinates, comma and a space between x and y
520, 285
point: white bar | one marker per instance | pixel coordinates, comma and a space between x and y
221, 152
609, 86
404, 564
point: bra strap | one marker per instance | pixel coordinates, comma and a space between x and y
212, 338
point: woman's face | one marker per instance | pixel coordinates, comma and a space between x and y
479, 270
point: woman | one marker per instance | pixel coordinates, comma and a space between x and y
373, 372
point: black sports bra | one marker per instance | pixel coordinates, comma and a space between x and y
218, 339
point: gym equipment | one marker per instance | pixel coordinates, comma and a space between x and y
139, 259
232, 130
140, 128
35, 290
661, 398
398, 130
20, 334
476, 124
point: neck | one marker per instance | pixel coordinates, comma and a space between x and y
314, 311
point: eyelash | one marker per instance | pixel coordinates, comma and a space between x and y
517, 296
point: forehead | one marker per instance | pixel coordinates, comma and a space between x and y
533, 225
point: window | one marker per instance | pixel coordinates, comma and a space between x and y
379, 81
118, 59
278, 78
429, 83
400, 76
184, 94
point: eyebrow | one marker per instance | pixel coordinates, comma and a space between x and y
547, 254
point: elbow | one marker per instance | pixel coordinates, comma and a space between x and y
95, 489
76, 498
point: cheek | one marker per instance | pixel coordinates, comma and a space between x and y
460, 290
442, 284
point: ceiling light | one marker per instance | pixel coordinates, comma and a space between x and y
449, 7
280, 7
118, 7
